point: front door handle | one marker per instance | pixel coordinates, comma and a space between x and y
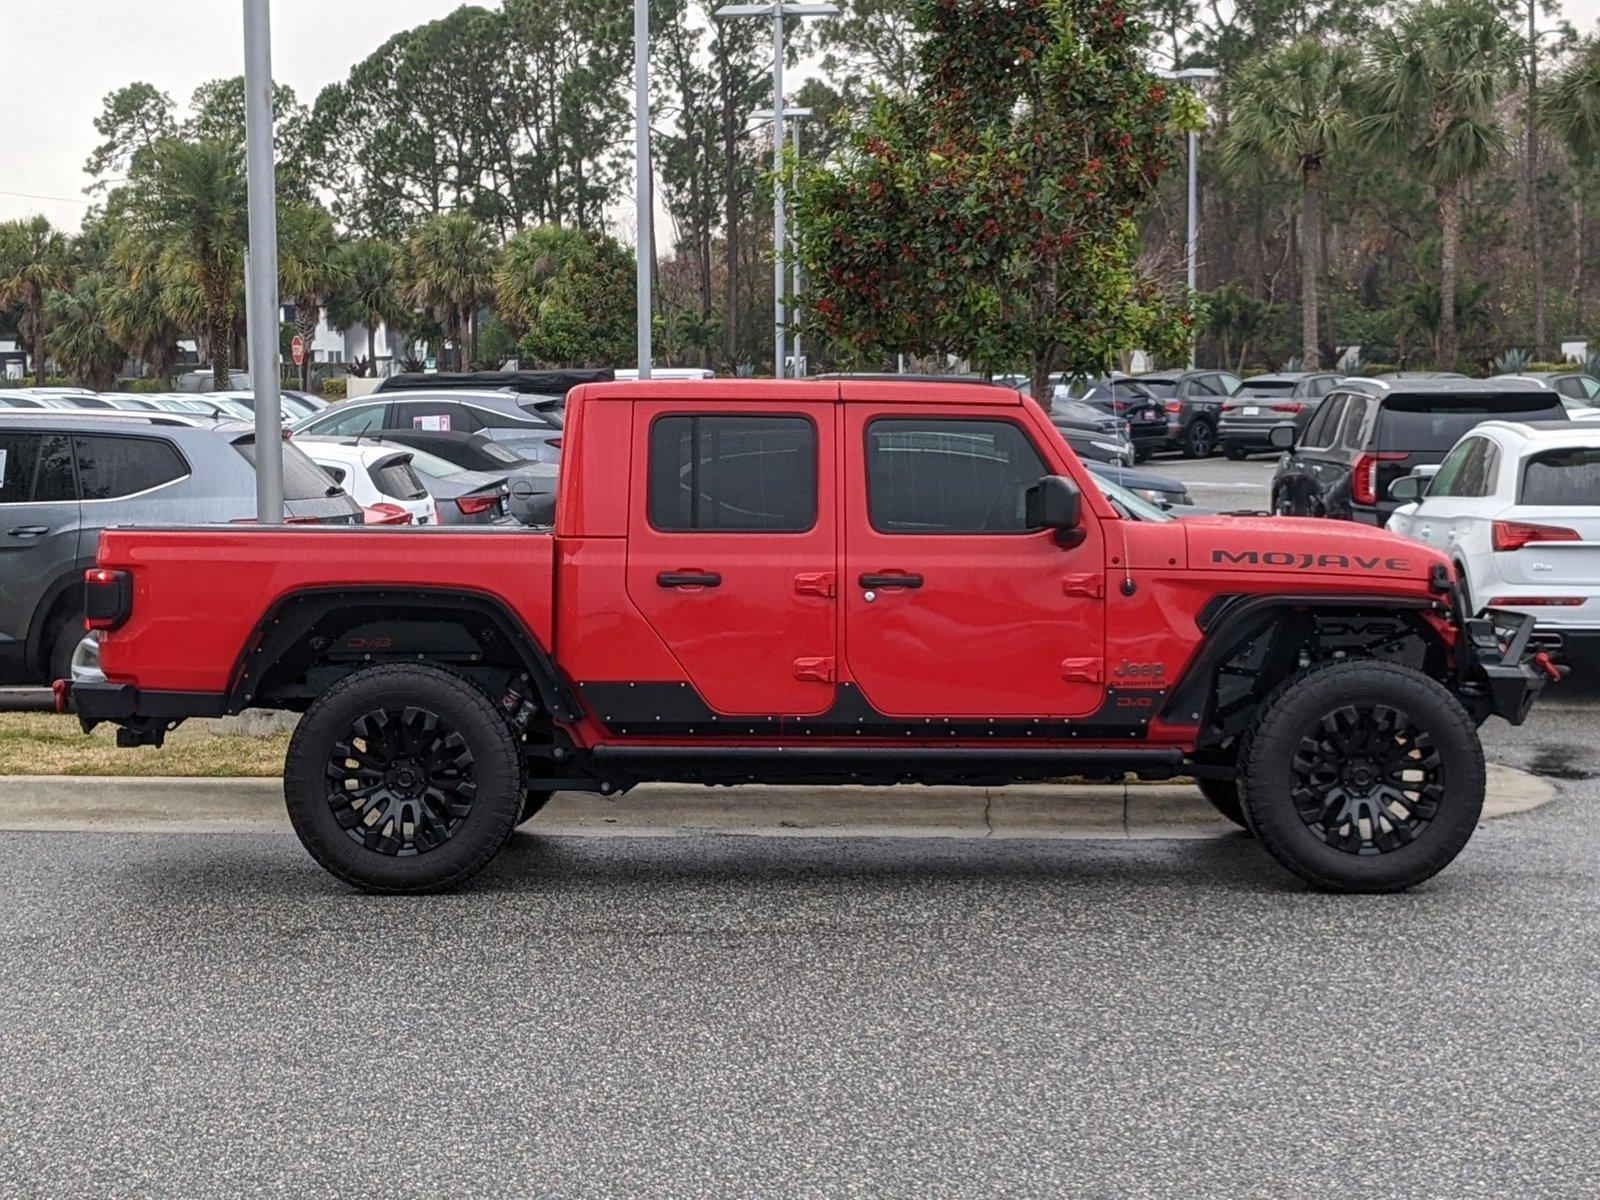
898, 579
30, 531
681, 579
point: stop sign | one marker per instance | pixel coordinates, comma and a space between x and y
298, 349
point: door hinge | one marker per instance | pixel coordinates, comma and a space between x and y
815, 583
1082, 670
814, 670
1092, 586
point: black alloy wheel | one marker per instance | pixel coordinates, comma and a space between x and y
1200, 440
402, 781
1369, 780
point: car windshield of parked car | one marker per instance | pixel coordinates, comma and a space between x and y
1569, 477
1266, 387
1428, 423
1128, 504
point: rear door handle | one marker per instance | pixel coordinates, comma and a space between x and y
897, 580
30, 531
679, 579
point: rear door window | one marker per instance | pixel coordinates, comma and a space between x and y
1320, 433
1353, 429
437, 416
1569, 477
1470, 470
1432, 424
733, 474
35, 468
113, 468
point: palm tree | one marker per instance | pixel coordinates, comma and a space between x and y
137, 312
1570, 108
309, 268
34, 262
1295, 109
448, 267
368, 294
1437, 75
192, 203
79, 340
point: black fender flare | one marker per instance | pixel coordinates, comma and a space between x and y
284, 630
1228, 621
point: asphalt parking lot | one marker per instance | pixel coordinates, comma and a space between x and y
1218, 483
199, 1013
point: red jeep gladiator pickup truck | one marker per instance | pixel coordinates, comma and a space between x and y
850, 581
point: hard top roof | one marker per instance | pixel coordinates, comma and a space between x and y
876, 389
547, 383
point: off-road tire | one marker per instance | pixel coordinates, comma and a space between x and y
1224, 797
496, 767
532, 805
1275, 758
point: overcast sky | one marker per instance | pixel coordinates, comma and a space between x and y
63, 56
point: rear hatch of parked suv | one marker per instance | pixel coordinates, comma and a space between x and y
309, 496
1416, 429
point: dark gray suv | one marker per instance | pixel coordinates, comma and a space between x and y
65, 476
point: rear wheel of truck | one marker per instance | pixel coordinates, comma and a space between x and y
1224, 797
403, 779
1364, 777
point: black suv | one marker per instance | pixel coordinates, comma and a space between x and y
1122, 396
1369, 432
1286, 398
1193, 400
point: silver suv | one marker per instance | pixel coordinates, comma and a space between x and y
65, 476
529, 426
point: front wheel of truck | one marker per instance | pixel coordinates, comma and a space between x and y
403, 779
1364, 777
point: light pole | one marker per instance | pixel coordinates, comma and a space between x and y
642, 177
1192, 242
261, 283
777, 11
795, 116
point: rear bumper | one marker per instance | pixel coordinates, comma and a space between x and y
1250, 432
145, 716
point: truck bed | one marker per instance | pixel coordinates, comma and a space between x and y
200, 592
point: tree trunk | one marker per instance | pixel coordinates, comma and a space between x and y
1310, 244
1039, 379
221, 342
305, 324
372, 351
1450, 229
38, 344
1577, 261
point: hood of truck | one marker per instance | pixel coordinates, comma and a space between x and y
1300, 547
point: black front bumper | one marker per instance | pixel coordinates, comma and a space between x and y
1501, 670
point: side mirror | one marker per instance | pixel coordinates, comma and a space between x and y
1281, 437
1406, 489
1056, 503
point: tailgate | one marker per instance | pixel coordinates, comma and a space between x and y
199, 595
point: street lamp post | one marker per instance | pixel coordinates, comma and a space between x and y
261, 284
777, 12
1192, 241
794, 116
643, 181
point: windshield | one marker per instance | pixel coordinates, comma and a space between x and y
1129, 505
1266, 387
1161, 389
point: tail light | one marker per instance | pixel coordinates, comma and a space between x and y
1293, 409
1364, 476
473, 506
107, 598
386, 514
1514, 535
1173, 406
1537, 602
554, 443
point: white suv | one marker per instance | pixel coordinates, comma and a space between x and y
379, 478
1517, 506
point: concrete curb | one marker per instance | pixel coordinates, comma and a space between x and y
92, 804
